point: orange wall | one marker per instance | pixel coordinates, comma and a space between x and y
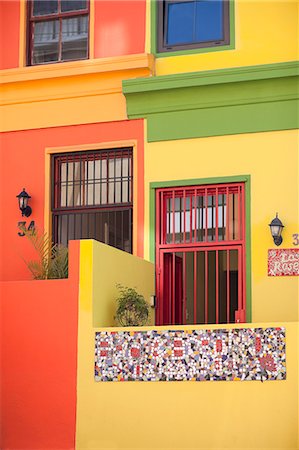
119, 27
9, 34
39, 361
22, 164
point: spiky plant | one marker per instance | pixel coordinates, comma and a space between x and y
52, 262
132, 310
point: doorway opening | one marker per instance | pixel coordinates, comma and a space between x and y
200, 255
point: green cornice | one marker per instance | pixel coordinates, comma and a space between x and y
208, 77
212, 103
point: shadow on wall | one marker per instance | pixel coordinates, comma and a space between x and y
102, 268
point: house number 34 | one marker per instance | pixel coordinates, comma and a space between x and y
22, 227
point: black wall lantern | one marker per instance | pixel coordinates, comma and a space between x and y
276, 227
23, 198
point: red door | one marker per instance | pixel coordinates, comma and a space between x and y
200, 255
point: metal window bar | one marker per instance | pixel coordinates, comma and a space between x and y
179, 228
81, 181
189, 213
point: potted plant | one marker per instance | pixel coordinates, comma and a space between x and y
132, 310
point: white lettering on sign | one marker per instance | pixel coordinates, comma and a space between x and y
283, 262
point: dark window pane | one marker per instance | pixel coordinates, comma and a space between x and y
45, 43
209, 21
73, 5
74, 38
180, 23
43, 7
211, 287
233, 281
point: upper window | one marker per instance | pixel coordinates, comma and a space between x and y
186, 24
57, 30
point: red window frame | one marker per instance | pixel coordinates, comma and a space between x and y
167, 242
114, 204
31, 20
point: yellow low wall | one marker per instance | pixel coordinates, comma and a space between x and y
174, 415
111, 267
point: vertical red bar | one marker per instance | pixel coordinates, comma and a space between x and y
184, 203
158, 262
217, 287
239, 281
206, 286
195, 214
173, 217
191, 221
184, 289
195, 288
227, 214
160, 289
216, 206
240, 227
173, 291
162, 214
243, 249
206, 206
227, 287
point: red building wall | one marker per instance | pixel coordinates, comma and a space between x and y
39, 361
22, 165
119, 29
9, 33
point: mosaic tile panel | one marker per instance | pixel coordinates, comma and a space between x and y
283, 262
198, 355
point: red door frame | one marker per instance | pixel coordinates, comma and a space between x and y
162, 248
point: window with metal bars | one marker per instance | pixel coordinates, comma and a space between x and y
200, 254
92, 197
57, 30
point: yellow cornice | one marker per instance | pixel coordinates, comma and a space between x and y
68, 93
85, 67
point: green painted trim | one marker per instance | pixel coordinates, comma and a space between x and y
220, 102
221, 121
246, 179
231, 46
208, 77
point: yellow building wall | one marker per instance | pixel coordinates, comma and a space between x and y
177, 415
271, 159
266, 31
109, 268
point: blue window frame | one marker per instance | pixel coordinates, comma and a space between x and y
188, 24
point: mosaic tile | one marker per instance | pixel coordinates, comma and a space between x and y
283, 262
202, 355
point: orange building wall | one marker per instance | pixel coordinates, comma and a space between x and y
39, 361
9, 33
119, 27
22, 165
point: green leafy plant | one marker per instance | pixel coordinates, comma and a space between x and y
52, 262
132, 310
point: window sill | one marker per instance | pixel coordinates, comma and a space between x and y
82, 67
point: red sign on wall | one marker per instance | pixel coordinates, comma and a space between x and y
283, 262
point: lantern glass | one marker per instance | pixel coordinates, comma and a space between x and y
23, 202
275, 230
23, 198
